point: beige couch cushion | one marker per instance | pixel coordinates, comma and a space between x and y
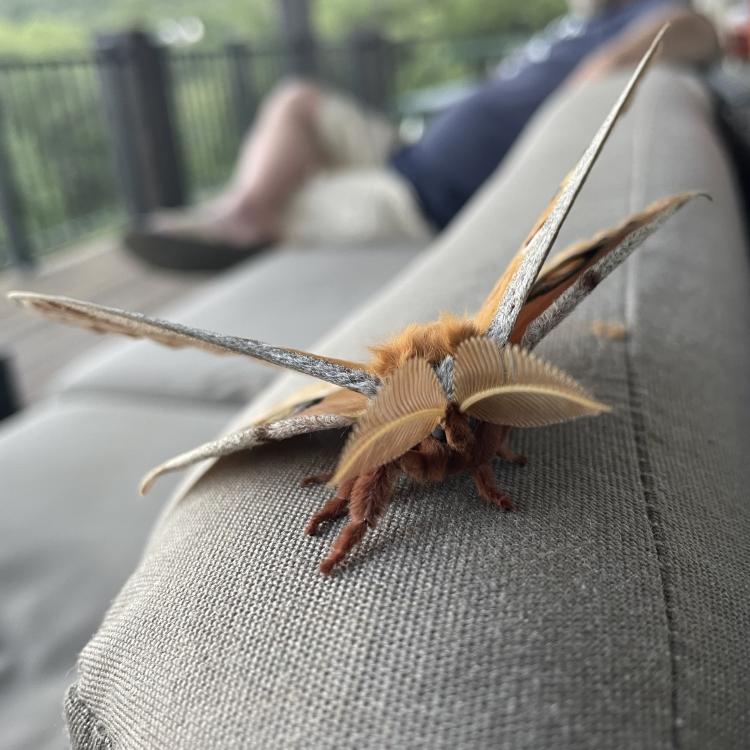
610, 612
72, 529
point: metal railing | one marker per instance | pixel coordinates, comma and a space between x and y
57, 173
86, 142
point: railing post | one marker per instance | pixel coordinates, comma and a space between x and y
12, 208
9, 401
372, 68
244, 99
299, 38
136, 88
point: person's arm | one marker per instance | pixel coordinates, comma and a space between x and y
691, 40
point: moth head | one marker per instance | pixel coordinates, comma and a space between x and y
482, 383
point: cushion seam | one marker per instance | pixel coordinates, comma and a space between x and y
96, 723
636, 409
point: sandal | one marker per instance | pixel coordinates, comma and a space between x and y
183, 253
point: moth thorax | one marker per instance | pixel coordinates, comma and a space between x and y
439, 431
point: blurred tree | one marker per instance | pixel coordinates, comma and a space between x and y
43, 24
408, 18
35, 27
40, 35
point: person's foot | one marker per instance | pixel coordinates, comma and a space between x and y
197, 240
211, 226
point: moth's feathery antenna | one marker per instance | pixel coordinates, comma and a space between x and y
110, 319
537, 247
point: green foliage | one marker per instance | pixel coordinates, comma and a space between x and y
436, 18
55, 136
48, 26
41, 36
41, 27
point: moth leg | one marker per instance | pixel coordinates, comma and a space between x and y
504, 451
351, 535
322, 478
428, 462
333, 509
369, 497
484, 480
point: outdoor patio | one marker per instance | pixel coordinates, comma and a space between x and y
136, 127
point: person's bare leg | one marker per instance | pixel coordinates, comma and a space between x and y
281, 153
278, 155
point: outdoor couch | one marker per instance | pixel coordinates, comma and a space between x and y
610, 611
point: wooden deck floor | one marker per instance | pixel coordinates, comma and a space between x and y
100, 271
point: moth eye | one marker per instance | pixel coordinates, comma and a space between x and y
439, 433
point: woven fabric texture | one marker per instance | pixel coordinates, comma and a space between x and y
71, 532
610, 612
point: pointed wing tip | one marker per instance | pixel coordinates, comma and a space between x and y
679, 200
603, 408
32, 299
657, 40
662, 31
21, 298
688, 195
149, 480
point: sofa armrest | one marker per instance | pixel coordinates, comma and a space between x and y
610, 612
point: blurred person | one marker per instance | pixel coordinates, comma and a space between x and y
316, 166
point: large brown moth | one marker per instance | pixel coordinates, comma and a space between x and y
438, 398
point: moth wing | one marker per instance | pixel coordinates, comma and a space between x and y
581, 268
342, 402
248, 438
136, 325
301, 399
498, 314
408, 407
512, 387
606, 250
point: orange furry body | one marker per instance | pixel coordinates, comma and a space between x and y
430, 341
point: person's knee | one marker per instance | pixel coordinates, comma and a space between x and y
294, 96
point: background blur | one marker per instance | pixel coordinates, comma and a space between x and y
59, 151
109, 110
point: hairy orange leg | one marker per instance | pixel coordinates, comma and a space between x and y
322, 478
369, 497
505, 452
351, 535
333, 509
366, 497
484, 480
500, 435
